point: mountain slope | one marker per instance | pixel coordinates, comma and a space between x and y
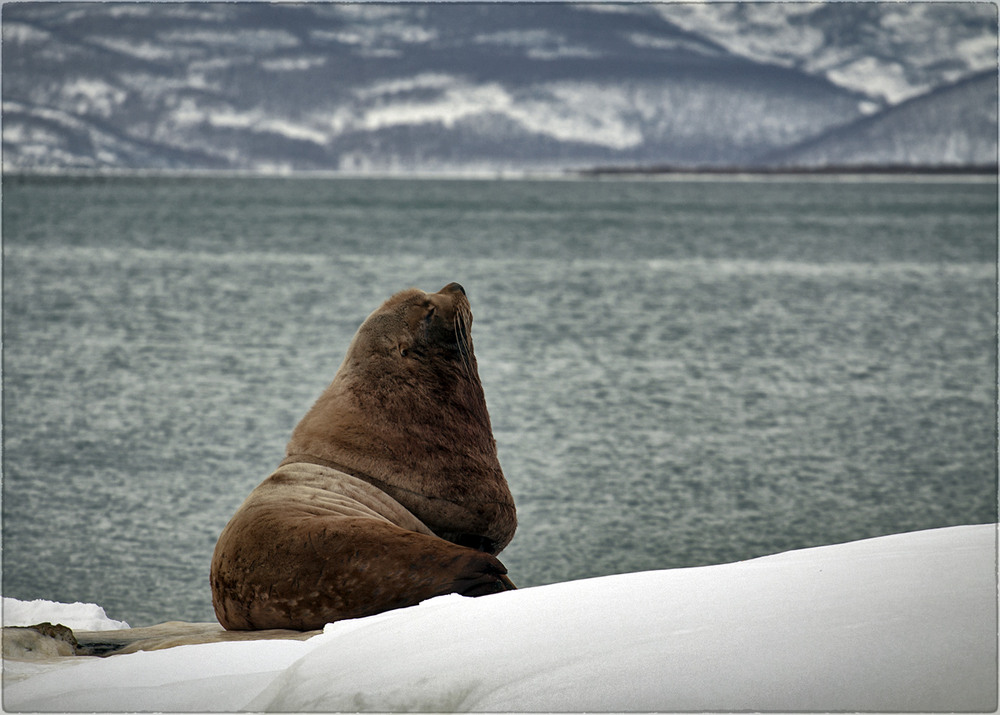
401, 87
889, 51
951, 126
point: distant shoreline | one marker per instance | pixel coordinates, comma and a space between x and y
663, 171
889, 169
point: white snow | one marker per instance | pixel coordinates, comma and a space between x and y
518, 38
880, 78
538, 44
796, 34
21, 33
92, 96
293, 64
561, 52
565, 111
899, 623
381, 31
261, 40
451, 106
581, 112
78, 616
641, 39
142, 50
401, 85
188, 113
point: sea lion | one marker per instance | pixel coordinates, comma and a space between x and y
390, 491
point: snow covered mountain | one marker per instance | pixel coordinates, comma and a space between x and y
945, 127
491, 86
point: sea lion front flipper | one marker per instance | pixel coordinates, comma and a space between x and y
505, 580
482, 575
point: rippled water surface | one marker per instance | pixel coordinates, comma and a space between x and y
678, 372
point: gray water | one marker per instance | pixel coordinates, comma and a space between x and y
679, 373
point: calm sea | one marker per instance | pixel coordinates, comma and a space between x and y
679, 372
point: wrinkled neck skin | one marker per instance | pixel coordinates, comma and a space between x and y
417, 427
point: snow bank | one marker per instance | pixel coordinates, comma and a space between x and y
899, 623
78, 616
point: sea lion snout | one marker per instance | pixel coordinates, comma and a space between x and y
453, 288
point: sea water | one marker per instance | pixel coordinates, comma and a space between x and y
679, 372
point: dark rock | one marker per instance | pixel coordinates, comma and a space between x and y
43, 640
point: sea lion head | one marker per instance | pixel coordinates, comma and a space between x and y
406, 412
417, 334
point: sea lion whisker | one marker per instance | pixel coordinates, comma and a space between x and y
462, 338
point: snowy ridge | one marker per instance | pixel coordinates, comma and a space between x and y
453, 86
890, 52
897, 623
901, 135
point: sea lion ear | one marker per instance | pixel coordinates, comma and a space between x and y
403, 347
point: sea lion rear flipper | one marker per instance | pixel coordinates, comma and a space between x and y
354, 566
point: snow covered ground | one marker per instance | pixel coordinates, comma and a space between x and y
78, 616
899, 623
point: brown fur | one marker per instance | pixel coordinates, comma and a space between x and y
387, 481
